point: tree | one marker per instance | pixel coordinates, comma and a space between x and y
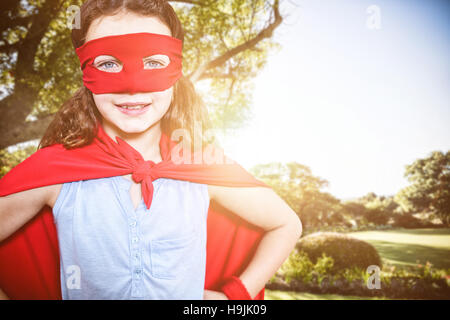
227, 42
296, 185
430, 186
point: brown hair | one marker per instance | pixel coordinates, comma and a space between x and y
75, 124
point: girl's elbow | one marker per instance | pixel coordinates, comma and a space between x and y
298, 226
295, 225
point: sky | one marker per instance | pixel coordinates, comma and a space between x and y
359, 90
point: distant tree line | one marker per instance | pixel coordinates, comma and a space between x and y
427, 196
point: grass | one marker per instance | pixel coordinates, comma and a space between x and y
404, 247
292, 295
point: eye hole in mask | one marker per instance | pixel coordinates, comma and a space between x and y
109, 63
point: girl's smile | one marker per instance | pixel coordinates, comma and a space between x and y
134, 108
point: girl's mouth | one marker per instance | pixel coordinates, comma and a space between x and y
135, 109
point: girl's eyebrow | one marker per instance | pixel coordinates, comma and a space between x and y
157, 55
105, 58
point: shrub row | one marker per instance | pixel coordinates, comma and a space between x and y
300, 274
396, 288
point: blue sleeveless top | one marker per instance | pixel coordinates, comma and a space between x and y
109, 250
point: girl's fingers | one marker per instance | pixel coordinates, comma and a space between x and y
3, 295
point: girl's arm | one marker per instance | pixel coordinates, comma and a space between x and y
18, 208
262, 207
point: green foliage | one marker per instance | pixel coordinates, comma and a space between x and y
58, 66
298, 266
430, 186
353, 274
428, 272
323, 267
212, 30
372, 208
56, 73
377, 216
346, 251
9, 160
407, 220
419, 271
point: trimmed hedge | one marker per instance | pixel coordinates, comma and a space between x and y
346, 251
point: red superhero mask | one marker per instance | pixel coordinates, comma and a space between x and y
131, 49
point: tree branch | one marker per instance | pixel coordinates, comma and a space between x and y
263, 34
25, 131
39, 27
193, 2
209, 75
9, 48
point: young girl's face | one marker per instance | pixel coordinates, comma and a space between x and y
115, 117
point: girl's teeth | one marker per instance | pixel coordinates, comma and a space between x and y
134, 108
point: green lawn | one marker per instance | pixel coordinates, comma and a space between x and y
403, 247
291, 295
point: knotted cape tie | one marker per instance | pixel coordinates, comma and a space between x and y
144, 174
142, 171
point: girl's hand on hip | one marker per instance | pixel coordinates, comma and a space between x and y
3, 295
214, 295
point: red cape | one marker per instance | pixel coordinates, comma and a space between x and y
29, 259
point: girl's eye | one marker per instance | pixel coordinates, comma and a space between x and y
109, 66
153, 64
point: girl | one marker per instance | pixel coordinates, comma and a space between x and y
111, 245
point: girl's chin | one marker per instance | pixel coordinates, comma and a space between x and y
130, 127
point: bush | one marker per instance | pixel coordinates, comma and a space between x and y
346, 251
407, 221
299, 267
